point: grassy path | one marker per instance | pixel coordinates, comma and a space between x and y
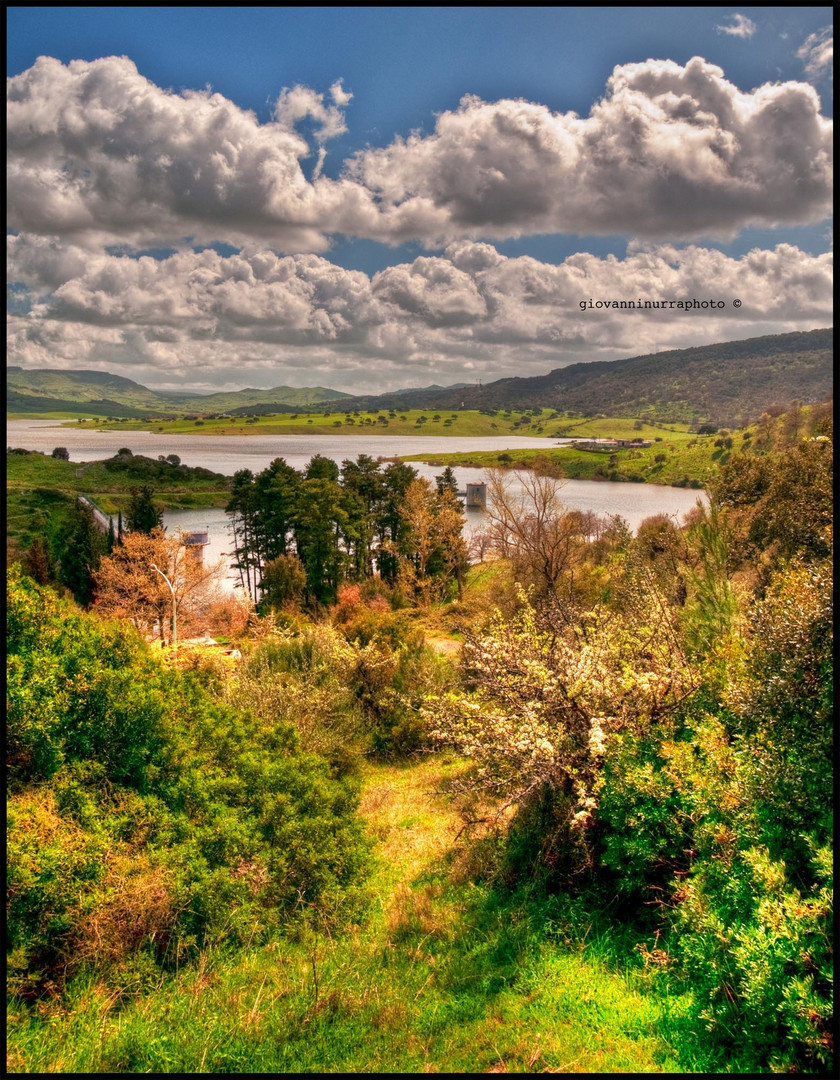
439, 976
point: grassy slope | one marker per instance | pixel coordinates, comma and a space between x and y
438, 976
467, 422
36, 484
686, 454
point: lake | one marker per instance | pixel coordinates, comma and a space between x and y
227, 454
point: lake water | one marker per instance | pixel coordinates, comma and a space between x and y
227, 454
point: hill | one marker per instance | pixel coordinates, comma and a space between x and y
104, 394
728, 382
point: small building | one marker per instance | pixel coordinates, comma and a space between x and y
195, 543
476, 496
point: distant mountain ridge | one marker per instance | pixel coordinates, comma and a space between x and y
728, 382
53, 390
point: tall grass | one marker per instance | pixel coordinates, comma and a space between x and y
445, 974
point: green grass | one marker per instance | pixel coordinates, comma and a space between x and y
462, 422
443, 974
684, 456
37, 486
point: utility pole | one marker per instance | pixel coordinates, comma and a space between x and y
174, 611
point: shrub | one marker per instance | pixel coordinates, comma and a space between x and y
145, 813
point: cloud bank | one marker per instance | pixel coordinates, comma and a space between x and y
98, 153
470, 308
102, 160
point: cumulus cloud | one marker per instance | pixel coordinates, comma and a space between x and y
817, 53
99, 154
266, 319
670, 152
299, 102
740, 26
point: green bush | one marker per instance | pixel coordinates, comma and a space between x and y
146, 814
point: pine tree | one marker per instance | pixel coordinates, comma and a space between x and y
143, 515
80, 554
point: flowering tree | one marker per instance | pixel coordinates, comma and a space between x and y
552, 686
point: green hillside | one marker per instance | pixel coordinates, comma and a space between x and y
729, 383
102, 394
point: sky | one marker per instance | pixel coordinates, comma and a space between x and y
370, 199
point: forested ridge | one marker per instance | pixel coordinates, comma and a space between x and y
563, 800
730, 383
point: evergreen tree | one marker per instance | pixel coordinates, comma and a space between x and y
36, 562
319, 521
143, 515
276, 492
446, 481
391, 526
81, 551
243, 510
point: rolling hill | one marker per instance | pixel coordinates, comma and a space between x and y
724, 382
104, 394
729, 382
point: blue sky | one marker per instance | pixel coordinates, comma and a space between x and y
407, 235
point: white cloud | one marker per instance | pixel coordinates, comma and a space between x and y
741, 27
264, 319
100, 155
817, 53
669, 152
300, 102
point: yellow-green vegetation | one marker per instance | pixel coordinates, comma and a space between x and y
63, 414
437, 976
677, 456
36, 484
577, 819
437, 422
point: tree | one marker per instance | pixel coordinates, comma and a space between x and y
534, 530
552, 686
143, 516
319, 521
127, 586
432, 550
242, 508
283, 581
364, 490
446, 481
36, 562
390, 523
80, 545
276, 493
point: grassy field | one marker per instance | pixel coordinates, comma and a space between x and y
462, 422
676, 456
37, 485
442, 974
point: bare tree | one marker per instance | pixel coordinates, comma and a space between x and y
534, 529
127, 587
